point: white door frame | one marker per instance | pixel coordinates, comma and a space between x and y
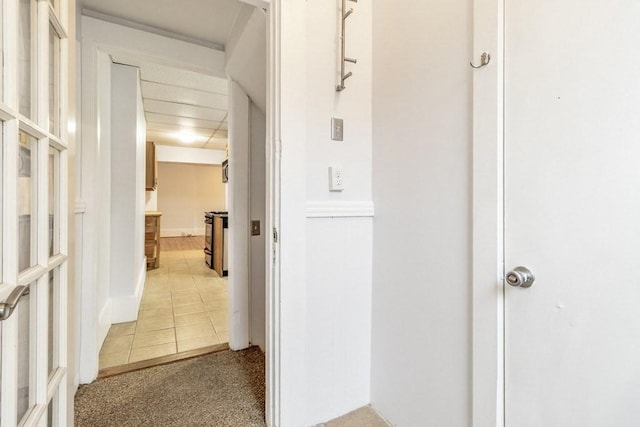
99, 43
273, 196
272, 220
488, 216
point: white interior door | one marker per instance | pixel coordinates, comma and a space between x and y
34, 169
572, 212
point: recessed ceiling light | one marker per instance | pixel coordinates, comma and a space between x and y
186, 137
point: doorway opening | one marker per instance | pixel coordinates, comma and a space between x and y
202, 102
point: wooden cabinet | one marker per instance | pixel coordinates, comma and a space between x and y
151, 181
152, 239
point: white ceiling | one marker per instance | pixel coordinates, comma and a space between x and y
206, 21
178, 103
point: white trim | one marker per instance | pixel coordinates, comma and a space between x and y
340, 209
104, 323
488, 245
32, 128
272, 220
125, 309
55, 22
81, 207
288, 135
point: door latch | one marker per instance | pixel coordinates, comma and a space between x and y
7, 307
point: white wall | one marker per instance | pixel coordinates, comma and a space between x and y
94, 197
246, 54
246, 60
185, 192
172, 154
353, 104
339, 247
238, 207
257, 211
103, 273
128, 267
421, 353
325, 237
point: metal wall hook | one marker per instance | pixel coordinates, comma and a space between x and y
485, 58
343, 59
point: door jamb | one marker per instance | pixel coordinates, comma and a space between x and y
272, 196
488, 217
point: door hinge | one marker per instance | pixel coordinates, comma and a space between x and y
273, 248
278, 148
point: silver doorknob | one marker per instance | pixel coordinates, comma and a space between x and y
521, 277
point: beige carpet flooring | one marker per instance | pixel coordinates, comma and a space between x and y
224, 389
363, 417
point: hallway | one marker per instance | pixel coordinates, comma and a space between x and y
184, 307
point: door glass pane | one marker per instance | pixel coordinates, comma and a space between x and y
24, 365
27, 191
54, 174
54, 82
54, 279
26, 57
52, 411
50, 414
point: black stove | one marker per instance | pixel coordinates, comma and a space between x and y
208, 234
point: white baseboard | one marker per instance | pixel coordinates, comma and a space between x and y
104, 323
179, 232
125, 309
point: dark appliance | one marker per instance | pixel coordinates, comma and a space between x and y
208, 235
225, 171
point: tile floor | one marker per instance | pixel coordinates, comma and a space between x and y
184, 307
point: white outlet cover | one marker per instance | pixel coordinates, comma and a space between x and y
336, 179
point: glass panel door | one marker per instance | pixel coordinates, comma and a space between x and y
33, 213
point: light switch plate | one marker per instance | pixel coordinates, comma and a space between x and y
255, 228
336, 179
337, 129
